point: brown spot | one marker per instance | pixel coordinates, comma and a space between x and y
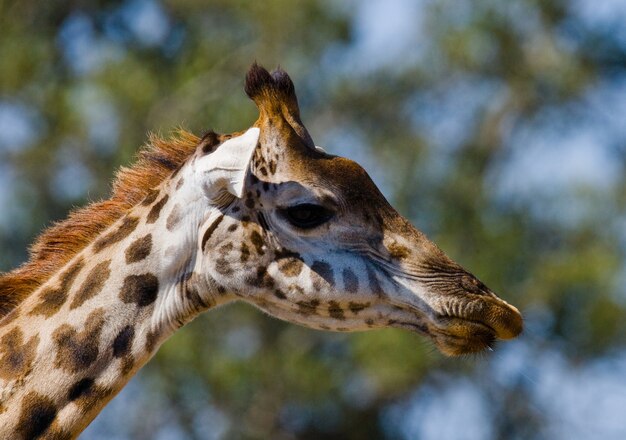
261, 279
398, 251
257, 241
225, 249
335, 310
374, 284
222, 266
124, 230
16, 355
8, 319
324, 270
152, 338
128, 363
263, 171
140, 289
37, 414
233, 227
307, 308
80, 388
180, 183
291, 267
350, 281
212, 227
249, 202
279, 294
272, 166
155, 212
289, 263
369, 322
357, 307
53, 299
245, 252
123, 341
88, 395
174, 218
76, 351
93, 284
139, 249
150, 198
266, 186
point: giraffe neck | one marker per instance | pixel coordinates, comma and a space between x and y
75, 342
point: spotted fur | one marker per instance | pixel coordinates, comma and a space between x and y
93, 284
111, 283
139, 249
77, 349
52, 299
16, 354
140, 289
60, 243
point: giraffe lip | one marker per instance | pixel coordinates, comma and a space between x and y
465, 337
487, 313
470, 337
470, 324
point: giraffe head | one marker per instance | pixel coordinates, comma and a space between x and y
309, 238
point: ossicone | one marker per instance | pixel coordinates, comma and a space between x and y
262, 84
275, 96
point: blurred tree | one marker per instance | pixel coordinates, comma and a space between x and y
469, 115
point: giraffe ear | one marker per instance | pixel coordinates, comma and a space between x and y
226, 168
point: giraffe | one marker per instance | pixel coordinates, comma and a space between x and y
262, 216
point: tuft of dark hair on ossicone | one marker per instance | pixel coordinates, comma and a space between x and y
259, 81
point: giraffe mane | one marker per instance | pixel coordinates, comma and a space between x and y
59, 243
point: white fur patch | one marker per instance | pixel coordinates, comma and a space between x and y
226, 168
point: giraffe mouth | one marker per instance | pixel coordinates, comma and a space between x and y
470, 325
475, 324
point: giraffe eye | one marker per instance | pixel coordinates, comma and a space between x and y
307, 215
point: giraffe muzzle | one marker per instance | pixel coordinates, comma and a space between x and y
504, 319
468, 325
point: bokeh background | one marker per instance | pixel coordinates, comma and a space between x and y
497, 127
